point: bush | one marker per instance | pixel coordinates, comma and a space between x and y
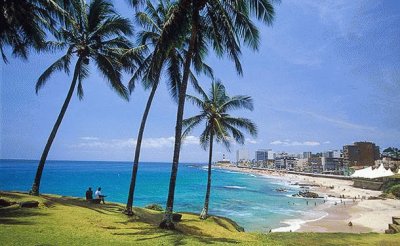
395, 190
156, 207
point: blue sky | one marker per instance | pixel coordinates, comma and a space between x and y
327, 74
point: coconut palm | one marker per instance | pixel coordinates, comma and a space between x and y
219, 124
152, 20
95, 32
221, 23
24, 24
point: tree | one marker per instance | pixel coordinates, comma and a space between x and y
221, 23
24, 24
219, 124
91, 32
152, 19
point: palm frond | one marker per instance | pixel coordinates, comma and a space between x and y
111, 72
61, 64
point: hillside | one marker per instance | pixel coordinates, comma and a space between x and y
72, 221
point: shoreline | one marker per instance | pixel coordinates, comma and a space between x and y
365, 215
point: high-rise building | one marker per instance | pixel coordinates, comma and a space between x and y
262, 155
331, 154
242, 155
360, 154
332, 165
307, 155
285, 162
271, 154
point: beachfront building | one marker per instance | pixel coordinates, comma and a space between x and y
315, 164
285, 162
262, 155
271, 155
301, 164
242, 156
360, 154
332, 165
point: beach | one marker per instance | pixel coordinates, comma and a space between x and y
335, 212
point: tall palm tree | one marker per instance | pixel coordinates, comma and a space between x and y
24, 24
152, 19
94, 32
219, 124
228, 23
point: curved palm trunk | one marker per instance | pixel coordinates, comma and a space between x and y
38, 177
167, 222
129, 203
204, 212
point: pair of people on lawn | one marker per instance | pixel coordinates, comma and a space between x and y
98, 196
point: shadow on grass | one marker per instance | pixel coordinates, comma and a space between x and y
70, 201
19, 216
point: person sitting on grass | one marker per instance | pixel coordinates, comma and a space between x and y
89, 194
98, 195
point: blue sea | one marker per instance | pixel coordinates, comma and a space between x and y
252, 201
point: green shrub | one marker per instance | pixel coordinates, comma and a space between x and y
156, 207
395, 190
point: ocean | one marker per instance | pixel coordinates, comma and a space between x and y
251, 200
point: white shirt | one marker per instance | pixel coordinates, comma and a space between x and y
97, 194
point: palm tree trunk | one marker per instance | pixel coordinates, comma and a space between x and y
129, 203
204, 212
167, 222
38, 177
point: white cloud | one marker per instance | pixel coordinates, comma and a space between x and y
295, 143
89, 138
118, 144
327, 142
251, 141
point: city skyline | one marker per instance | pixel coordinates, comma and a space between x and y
332, 81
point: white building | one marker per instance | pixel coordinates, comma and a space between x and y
242, 155
271, 154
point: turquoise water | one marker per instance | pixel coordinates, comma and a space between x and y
250, 200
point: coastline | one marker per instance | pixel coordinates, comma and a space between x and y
335, 213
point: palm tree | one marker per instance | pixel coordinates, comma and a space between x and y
94, 32
221, 23
220, 125
24, 24
152, 20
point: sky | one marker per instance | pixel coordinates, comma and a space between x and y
327, 74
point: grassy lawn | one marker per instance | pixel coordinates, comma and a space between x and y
72, 221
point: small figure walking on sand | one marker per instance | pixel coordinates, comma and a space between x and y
307, 202
315, 203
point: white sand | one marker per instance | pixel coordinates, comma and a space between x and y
365, 215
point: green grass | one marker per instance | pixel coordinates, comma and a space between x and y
72, 221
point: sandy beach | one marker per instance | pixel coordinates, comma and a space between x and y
364, 214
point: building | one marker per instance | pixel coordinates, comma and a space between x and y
271, 155
285, 162
224, 161
360, 154
301, 164
332, 154
307, 155
262, 155
332, 165
315, 164
242, 156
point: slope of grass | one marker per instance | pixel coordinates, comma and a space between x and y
71, 221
